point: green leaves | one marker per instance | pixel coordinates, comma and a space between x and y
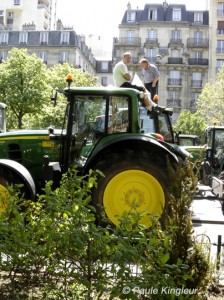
56, 250
26, 85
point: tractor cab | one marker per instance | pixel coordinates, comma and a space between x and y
214, 138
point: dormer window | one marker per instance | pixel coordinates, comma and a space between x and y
23, 37
4, 36
43, 37
177, 14
198, 17
131, 16
104, 66
65, 38
152, 14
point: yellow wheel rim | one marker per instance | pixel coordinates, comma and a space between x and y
133, 190
4, 198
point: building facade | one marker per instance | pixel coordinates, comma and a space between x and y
53, 46
174, 39
216, 34
14, 14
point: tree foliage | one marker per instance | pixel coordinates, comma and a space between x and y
190, 123
210, 105
23, 84
26, 86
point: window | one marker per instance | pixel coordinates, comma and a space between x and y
11, 15
220, 47
152, 15
43, 37
174, 95
104, 81
174, 78
220, 29
151, 54
63, 57
16, 2
220, 11
23, 37
198, 37
219, 63
177, 15
65, 38
104, 65
1, 12
152, 35
131, 16
175, 35
198, 54
43, 56
196, 79
195, 96
3, 55
130, 37
4, 36
198, 17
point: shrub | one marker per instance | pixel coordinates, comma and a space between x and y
55, 249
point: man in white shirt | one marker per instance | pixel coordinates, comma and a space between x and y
121, 75
122, 79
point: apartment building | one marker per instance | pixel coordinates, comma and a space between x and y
14, 14
177, 41
216, 34
53, 46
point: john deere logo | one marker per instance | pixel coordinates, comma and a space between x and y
134, 198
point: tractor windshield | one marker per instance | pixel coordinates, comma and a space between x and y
156, 123
94, 117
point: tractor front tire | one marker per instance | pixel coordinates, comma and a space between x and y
131, 183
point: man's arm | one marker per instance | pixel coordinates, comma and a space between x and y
127, 76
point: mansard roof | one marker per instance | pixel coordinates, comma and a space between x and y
164, 14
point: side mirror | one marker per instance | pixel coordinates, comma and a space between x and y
54, 97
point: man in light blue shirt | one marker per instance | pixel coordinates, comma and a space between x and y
150, 76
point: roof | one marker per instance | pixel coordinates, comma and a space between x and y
165, 14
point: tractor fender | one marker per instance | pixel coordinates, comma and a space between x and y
21, 172
136, 142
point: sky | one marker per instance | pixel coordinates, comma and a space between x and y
102, 17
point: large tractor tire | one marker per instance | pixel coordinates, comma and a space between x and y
132, 182
12, 173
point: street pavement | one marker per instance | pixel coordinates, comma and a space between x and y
208, 223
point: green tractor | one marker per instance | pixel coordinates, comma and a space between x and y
106, 129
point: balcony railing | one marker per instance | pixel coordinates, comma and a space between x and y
197, 43
196, 83
175, 60
134, 60
175, 41
174, 81
198, 61
151, 59
129, 41
173, 102
152, 40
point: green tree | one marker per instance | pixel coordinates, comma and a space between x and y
190, 123
23, 85
54, 115
210, 105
